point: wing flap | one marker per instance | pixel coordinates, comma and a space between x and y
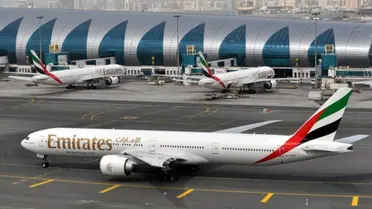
250, 81
162, 159
155, 159
241, 129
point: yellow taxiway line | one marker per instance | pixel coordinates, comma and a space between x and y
183, 189
267, 197
41, 183
109, 189
185, 193
355, 201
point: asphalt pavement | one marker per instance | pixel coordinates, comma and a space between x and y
339, 181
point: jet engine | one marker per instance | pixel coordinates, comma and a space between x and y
116, 165
271, 84
112, 80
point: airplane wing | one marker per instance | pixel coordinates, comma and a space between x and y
23, 78
260, 80
365, 82
180, 76
162, 160
241, 129
352, 139
188, 81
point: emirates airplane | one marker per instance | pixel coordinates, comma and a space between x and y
109, 74
249, 77
125, 151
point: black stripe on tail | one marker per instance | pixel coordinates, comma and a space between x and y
206, 74
40, 70
322, 131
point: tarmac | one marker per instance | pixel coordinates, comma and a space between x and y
341, 181
136, 90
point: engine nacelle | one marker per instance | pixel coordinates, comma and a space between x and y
271, 84
116, 165
112, 80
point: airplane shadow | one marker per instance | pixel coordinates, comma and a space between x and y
61, 91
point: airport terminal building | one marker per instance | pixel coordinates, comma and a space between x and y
135, 38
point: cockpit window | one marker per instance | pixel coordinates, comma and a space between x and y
27, 138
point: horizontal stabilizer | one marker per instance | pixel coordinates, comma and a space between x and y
327, 146
241, 129
352, 139
23, 78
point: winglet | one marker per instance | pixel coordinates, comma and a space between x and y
352, 139
241, 129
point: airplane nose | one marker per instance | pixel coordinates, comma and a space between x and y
23, 143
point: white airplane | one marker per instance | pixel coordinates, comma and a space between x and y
366, 82
89, 76
124, 151
237, 79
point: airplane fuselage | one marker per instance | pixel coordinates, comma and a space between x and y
214, 148
236, 79
78, 75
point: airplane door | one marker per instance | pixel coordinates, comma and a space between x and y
41, 141
214, 148
152, 146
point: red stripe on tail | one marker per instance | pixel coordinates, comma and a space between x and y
295, 140
50, 74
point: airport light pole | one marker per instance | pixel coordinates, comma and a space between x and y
178, 52
40, 18
315, 14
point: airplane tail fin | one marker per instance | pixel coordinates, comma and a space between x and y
204, 64
40, 67
323, 124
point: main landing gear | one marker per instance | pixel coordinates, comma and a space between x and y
45, 164
91, 86
175, 172
70, 86
172, 175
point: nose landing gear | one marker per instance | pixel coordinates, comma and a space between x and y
45, 164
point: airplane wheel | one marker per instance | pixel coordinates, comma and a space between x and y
45, 165
194, 168
172, 177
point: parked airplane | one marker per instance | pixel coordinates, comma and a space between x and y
363, 82
89, 76
124, 151
245, 78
